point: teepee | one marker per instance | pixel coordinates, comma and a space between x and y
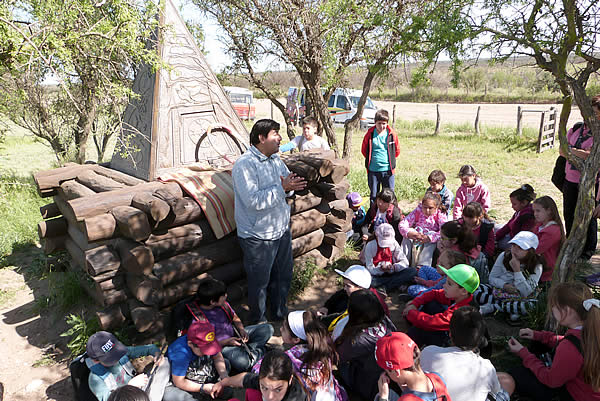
182, 115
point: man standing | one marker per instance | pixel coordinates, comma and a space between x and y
261, 183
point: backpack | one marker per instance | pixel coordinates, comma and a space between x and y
80, 374
547, 358
188, 310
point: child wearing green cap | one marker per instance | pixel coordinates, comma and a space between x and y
430, 313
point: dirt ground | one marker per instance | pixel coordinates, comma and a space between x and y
490, 114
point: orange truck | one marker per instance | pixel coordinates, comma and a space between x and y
242, 101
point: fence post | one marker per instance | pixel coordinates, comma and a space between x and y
519, 116
394, 115
438, 120
477, 121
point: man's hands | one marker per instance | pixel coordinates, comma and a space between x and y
293, 182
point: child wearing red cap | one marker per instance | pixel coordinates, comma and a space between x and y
430, 313
398, 355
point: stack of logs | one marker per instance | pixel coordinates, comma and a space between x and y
140, 247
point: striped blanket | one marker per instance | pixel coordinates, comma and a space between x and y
213, 190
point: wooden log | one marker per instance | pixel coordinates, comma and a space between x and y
167, 248
314, 256
118, 176
77, 254
334, 191
171, 193
307, 242
102, 298
186, 211
157, 208
199, 260
336, 224
200, 228
65, 210
97, 182
115, 282
318, 159
113, 317
112, 297
306, 222
132, 222
300, 203
135, 257
47, 181
227, 273
100, 260
73, 190
340, 169
50, 210
107, 275
310, 174
143, 316
337, 239
339, 204
104, 202
332, 253
102, 226
52, 228
52, 244
79, 238
144, 287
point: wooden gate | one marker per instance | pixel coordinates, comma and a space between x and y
548, 128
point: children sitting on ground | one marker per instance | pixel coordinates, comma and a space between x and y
399, 357
380, 148
521, 220
109, 363
356, 277
459, 237
275, 381
385, 260
312, 354
479, 222
384, 210
309, 138
429, 278
366, 323
467, 375
421, 230
514, 279
430, 313
437, 184
241, 346
472, 189
574, 371
550, 232
196, 362
356, 202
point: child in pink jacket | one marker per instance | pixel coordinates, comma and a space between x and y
471, 190
421, 229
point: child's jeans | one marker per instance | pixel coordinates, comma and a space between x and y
426, 273
258, 335
394, 280
378, 180
425, 256
424, 337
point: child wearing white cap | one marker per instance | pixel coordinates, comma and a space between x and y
385, 260
513, 282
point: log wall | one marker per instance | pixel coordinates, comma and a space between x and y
140, 247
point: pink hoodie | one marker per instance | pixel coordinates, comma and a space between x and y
479, 193
429, 226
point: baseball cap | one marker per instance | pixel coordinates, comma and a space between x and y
358, 274
395, 351
202, 334
104, 347
464, 275
355, 199
525, 240
385, 235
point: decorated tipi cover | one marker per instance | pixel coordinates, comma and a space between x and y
166, 127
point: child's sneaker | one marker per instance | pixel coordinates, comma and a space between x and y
487, 309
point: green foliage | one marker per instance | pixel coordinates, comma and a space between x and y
79, 333
302, 277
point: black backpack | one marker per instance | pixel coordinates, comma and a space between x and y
80, 374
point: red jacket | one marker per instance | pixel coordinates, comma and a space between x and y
549, 247
393, 147
439, 321
567, 365
523, 220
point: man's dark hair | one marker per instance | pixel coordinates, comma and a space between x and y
210, 290
467, 328
262, 128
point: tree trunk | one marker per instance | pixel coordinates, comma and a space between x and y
84, 126
353, 125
